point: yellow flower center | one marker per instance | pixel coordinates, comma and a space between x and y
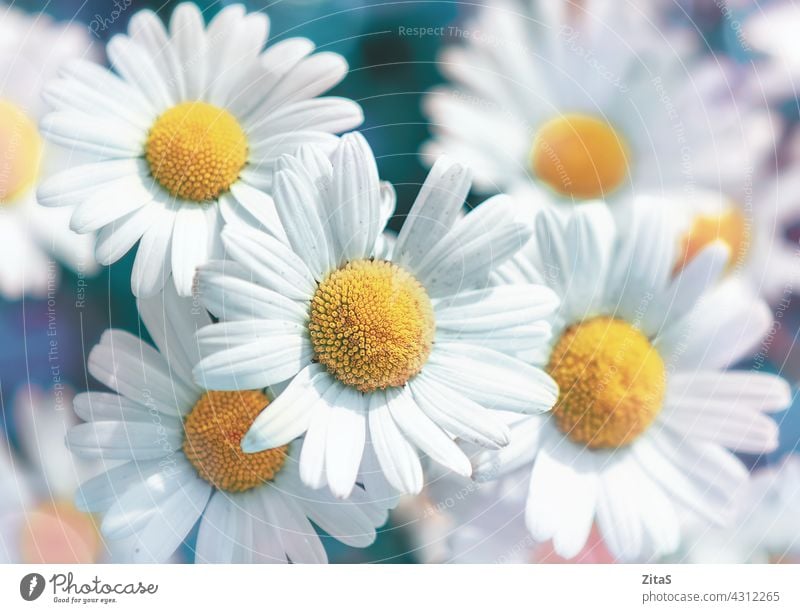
55, 532
728, 226
611, 383
214, 430
196, 150
371, 325
20, 152
580, 156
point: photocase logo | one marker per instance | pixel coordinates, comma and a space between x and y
31, 586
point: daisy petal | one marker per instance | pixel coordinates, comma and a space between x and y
434, 212
355, 193
426, 435
189, 247
398, 459
288, 415
457, 414
345, 441
492, 379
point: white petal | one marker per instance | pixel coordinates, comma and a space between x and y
724, 419
492, 379
312, 456
398, 459
152, 264
98, 494
702, 477
176, 516
724, 327
309, 78
136, 66
434, 212
190, 47
477, 244
521, 451
333, 115
354, 215
189, 247
136, 370
103, 406
686, 288
295, 203
73, 186
345, 441
426, 435
252, 364
127, 194
96, 77
289, 415
344, 520
254, 207
123, 440
230, 294
118, 237
271, 262
95, 135
562, 497
147, 30
216, 539
458, 415
296, 534
173, 322
589, 241
618, 514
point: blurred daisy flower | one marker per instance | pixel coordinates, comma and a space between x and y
586, 100
39, 523
459, 520
646, 411
32, 49
764, 528
182, 461
188, 131
413, 350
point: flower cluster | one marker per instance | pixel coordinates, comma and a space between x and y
570, 352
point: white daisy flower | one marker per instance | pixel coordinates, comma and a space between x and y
32, 48
188, 131
578, 101
39, 523
413, 349
646, 409
765, 523
183, 462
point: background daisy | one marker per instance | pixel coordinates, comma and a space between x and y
415, 350
588, 100
39, 523
646, 409
188, 130
32, 49
764, 527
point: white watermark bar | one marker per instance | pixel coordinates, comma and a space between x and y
407, 589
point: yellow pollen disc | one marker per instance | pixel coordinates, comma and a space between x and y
20, 152
580, 156
611, 383
728, 226
196, 150
57, 533
371, 325
214, 430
